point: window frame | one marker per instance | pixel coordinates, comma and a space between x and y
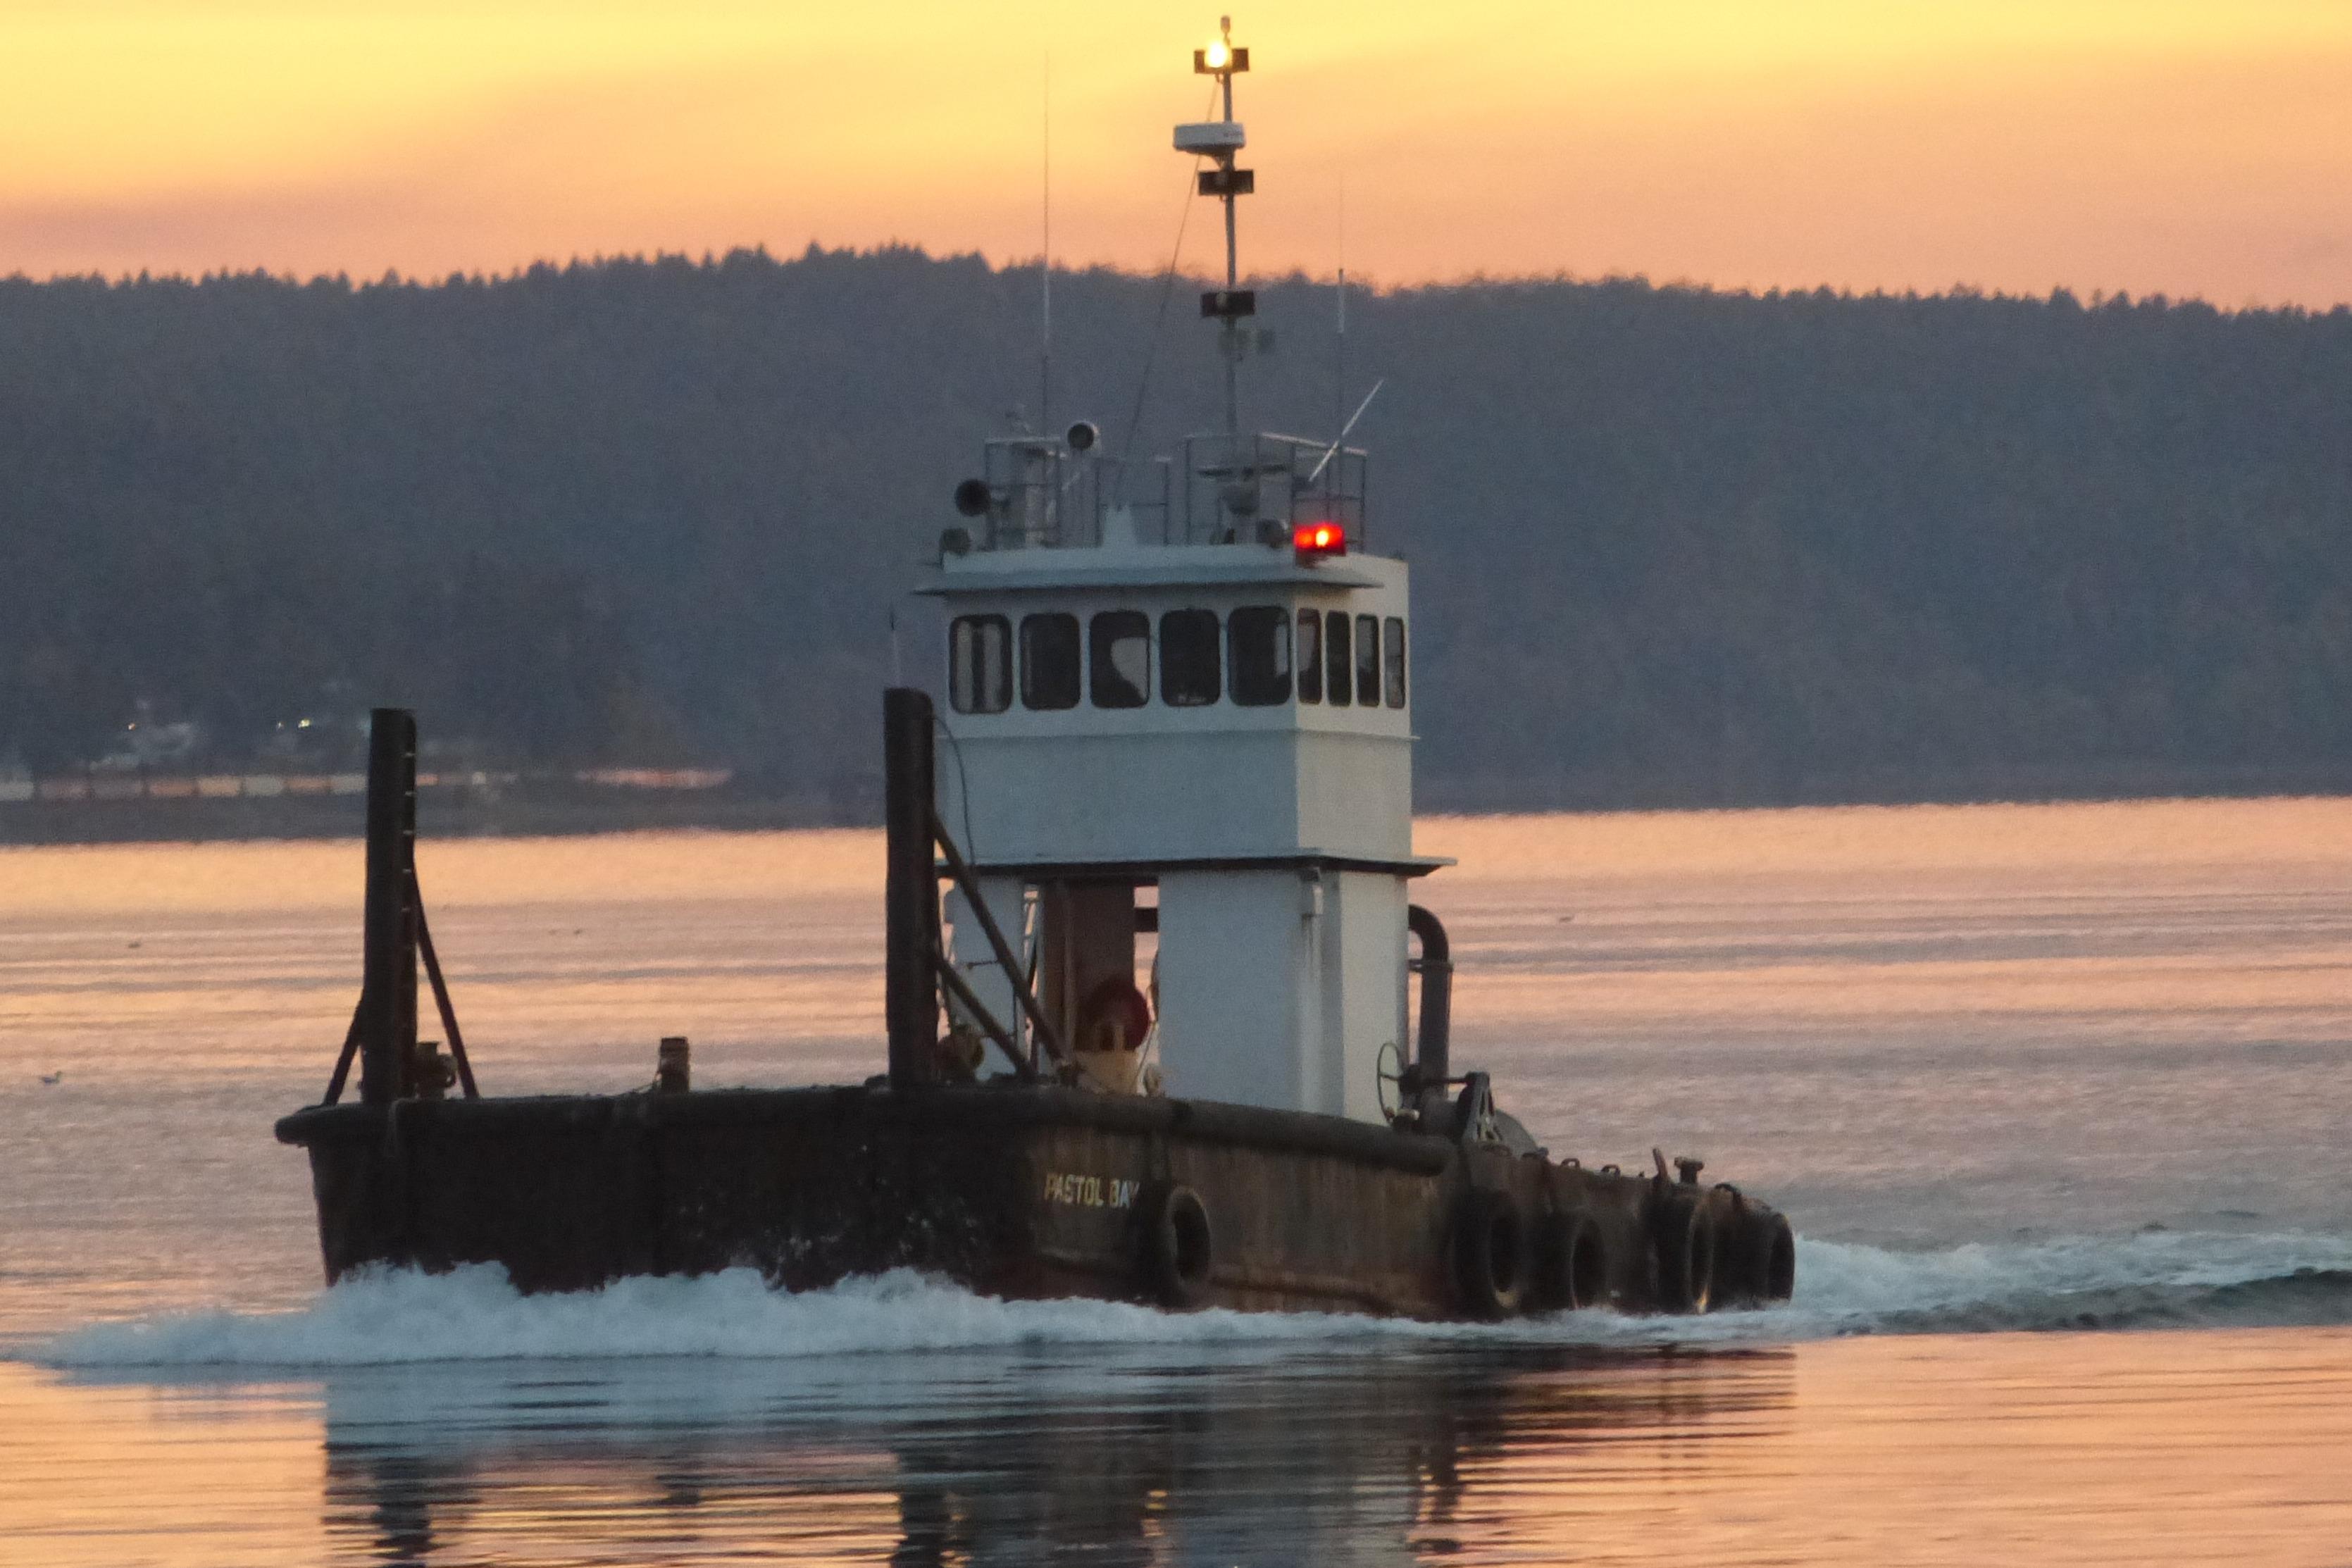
1392, 667
1195, 696
977, 623
1368, 661
1099, 658
1277, 618
1307, 655
1338, 658
1029, 662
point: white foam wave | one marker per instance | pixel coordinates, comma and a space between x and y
2066, 1281
474, 1314
1866, 1281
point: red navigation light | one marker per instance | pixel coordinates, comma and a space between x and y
1314, 541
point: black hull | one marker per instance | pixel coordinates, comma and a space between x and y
1020, 1192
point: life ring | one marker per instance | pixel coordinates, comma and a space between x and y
1178, 1245
1686, 1238
1571, 1262
1490, 1253
1114, 1017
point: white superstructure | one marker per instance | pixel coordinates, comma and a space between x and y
1184, 706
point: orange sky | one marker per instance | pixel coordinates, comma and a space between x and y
2144, 145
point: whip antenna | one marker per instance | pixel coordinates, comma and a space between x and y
1046, 249
1339, 344
1333, 449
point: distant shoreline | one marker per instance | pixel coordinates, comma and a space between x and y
559, 810
1990, 785
506, 806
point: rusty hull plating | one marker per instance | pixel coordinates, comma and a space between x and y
1017, 1190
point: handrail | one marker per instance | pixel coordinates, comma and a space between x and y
1013, 969
961, 989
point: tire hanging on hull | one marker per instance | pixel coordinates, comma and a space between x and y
1756, 1262
1779, 1261
1179, 1247
1685, 1238
1571, 1263
1490, 1254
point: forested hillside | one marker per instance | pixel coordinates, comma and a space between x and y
1670, 545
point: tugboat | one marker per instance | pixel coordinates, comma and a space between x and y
1187, 718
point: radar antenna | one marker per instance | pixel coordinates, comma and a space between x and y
1222, 140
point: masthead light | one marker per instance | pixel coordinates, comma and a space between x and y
1221, 58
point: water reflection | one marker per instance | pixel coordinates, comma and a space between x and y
2043, 1448
955, 1459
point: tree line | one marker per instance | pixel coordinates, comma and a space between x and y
1670, 545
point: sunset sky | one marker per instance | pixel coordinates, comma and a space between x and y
2143, 145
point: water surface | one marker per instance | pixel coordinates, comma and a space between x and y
2032, 1080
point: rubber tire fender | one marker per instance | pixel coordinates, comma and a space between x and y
1778, 1249
1178, 1245
1687, 1238
1756, 1252
1571, 1263
1490, 1253
1739, 1241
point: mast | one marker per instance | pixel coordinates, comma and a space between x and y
1222, 140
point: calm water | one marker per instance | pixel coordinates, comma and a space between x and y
2032, 1082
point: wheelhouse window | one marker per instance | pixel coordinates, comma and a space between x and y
1118, 659
1257, 640
1310, 655
1338, 659
980, 663
1368, 660
1189, 672
1049, 661
1392, 651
